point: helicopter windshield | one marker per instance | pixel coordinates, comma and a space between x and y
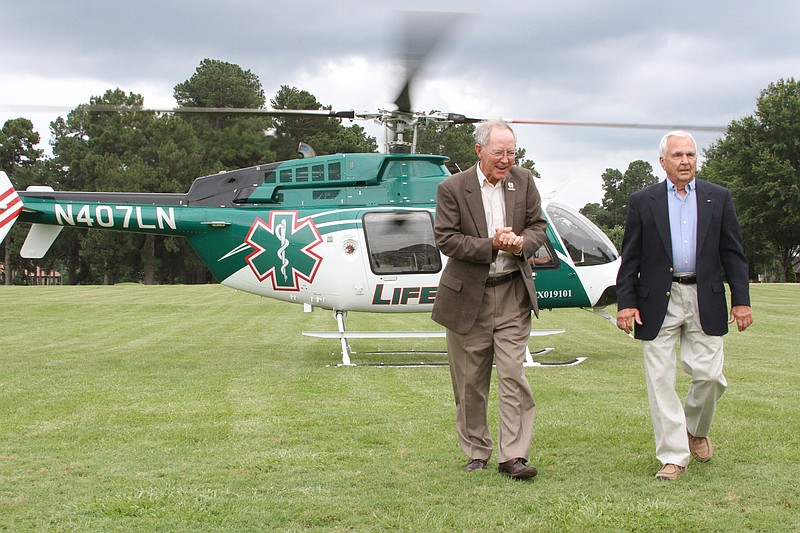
401, 242
585, 243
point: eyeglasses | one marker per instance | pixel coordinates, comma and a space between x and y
498, 154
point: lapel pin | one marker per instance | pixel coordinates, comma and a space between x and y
510, 185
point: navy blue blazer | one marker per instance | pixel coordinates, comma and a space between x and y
645, 275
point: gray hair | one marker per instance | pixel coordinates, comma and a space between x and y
662, 148
485, 128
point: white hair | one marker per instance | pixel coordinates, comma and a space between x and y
484, 129
662, 148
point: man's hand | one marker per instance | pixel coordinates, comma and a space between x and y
508, 241
742, 315
625, 318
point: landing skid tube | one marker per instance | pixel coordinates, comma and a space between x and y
345, 336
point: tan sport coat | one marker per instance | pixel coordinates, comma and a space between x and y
462, 235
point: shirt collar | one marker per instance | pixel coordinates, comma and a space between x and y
484, 181
689, 186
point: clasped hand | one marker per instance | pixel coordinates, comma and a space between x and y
508, 241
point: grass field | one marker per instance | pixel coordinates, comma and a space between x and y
198, 408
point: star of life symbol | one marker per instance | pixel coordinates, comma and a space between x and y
283, 250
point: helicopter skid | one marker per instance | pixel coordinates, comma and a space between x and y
528, 362
347, 351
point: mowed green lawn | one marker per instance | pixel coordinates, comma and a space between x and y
199, 408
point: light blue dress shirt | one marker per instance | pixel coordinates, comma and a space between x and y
683, 227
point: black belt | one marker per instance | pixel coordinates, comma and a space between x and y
499, 280
685, 280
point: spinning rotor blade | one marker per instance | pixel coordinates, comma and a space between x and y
629, 125
222, 111
422, 32
34, 108
456, 118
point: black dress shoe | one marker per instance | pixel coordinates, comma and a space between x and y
517, 469
475, 464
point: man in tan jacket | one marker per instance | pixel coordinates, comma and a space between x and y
488, 223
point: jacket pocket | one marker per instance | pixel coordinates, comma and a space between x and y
642, 292
451, 282
718, 287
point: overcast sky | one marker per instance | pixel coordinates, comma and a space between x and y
702, 63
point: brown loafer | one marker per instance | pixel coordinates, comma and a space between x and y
475, 464
700, 448
670, 472
517, 469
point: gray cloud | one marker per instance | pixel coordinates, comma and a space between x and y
619, 61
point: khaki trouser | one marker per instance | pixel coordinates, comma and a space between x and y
500, 334
701, 357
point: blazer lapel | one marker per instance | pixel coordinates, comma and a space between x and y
705, 208
511, 185
472, 194
660, 209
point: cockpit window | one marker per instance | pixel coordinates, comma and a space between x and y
401, 242
585, 243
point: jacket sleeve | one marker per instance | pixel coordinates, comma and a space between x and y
628, 274
731, 253
535, 231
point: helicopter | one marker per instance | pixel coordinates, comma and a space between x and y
341, 232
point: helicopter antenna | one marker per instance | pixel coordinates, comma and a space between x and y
555, 192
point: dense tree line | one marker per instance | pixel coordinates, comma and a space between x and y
759, 161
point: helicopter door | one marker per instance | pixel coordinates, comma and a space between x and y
404, 261
557, 284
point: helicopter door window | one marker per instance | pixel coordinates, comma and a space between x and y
396, 169
302, 174
286, 176
318, 173
401, 242
335, 171
585, 243
270, 177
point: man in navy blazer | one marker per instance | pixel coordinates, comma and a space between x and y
680, 235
